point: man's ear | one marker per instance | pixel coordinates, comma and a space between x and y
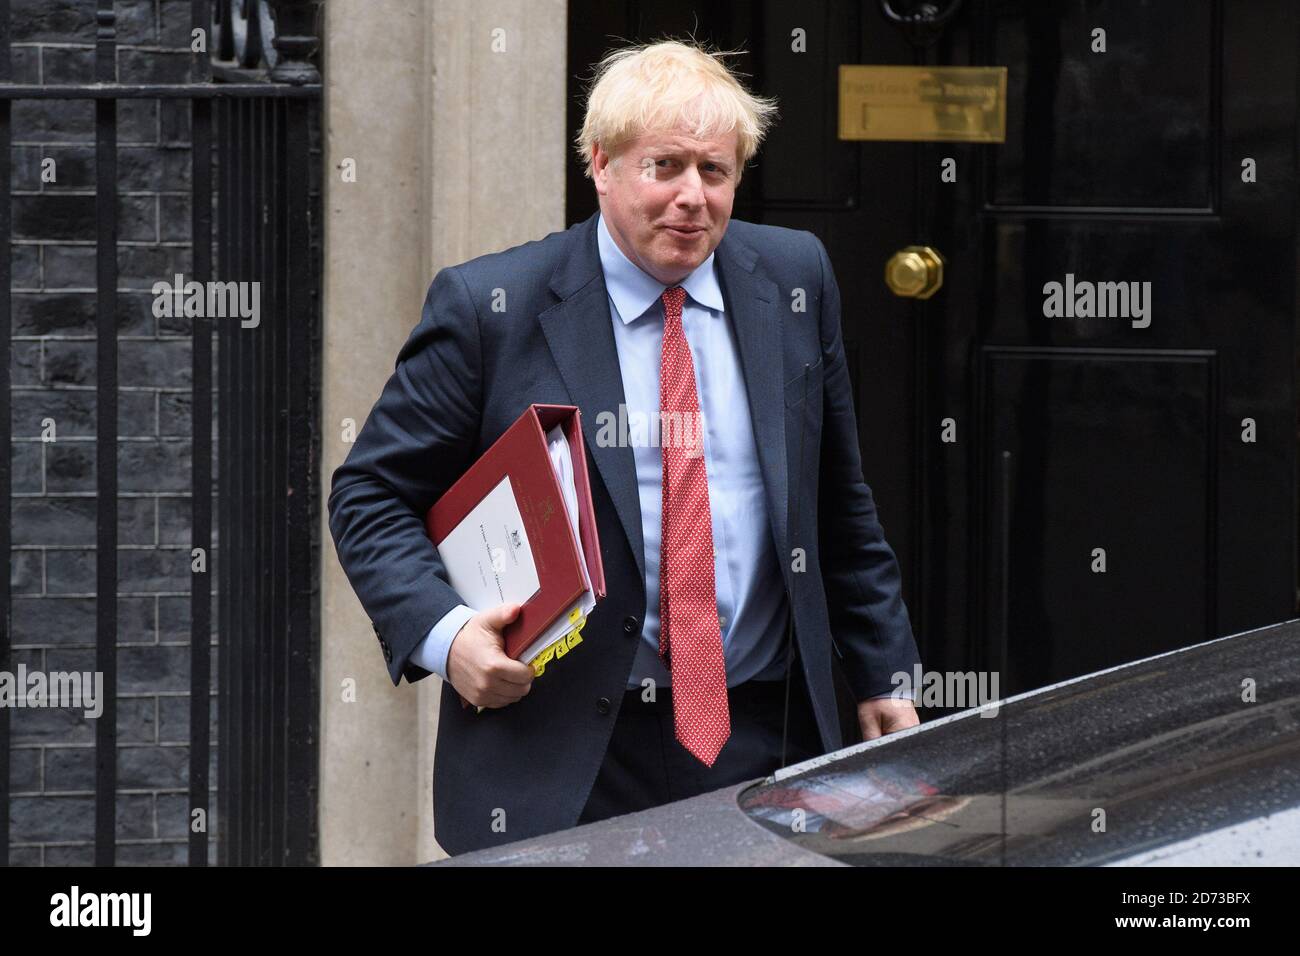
600, 168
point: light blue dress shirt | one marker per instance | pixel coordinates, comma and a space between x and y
752, 609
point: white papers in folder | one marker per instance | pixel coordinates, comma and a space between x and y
488, 557
562, 461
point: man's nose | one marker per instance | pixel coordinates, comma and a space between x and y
691, 192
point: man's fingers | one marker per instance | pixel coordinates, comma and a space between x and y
880, 717
870, 725
500, 696
902, 718
512, 672
506, 669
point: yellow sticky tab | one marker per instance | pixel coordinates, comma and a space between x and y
540, 661
563, 645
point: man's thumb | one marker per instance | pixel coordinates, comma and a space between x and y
501, 615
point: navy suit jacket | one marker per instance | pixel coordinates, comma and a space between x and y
532, 324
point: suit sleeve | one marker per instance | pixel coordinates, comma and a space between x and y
860, 573
419, 438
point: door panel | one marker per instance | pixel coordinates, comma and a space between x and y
1110, 454
1131, 127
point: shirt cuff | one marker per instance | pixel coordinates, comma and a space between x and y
905, 695
431, 653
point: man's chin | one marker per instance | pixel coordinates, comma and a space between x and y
678, 260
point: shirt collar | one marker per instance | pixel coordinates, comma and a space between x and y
634, 291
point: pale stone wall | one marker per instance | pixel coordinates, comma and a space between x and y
453, 111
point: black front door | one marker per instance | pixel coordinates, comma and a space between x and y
1073, 475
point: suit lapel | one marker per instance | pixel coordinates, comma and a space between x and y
581, 339
580, 335
752, 307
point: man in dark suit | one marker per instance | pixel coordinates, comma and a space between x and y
658, 305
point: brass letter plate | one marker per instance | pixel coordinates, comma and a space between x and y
938, 103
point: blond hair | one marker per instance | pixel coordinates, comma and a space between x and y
657, 86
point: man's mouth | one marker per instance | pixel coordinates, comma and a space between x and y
685, 230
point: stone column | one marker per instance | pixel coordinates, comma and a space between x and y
453, 114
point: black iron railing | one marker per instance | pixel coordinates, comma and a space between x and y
254, 130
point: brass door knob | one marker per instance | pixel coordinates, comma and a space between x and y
914, 272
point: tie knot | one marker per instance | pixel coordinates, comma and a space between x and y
674, 298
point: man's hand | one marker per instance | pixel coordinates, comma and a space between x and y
477, 664
884, 715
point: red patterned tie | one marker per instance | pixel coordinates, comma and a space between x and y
689, 633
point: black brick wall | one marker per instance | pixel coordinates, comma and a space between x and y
53, 558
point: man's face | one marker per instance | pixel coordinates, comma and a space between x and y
667, 199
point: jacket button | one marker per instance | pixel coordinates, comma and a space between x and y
388, 654
630, 625
602, 705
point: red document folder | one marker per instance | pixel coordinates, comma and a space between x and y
521, 454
